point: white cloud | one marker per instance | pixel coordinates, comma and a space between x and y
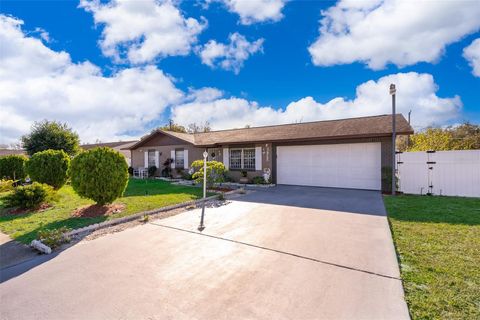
414, 91
229, 56
37, 83
472, 54
253, 11
142, 31
379, 32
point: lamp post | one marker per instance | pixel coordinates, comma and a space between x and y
393, 91
201, 227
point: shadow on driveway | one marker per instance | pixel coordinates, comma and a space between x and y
342, 200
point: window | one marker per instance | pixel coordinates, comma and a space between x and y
179, 158
249, 159
151, 158
236, 159
242, 159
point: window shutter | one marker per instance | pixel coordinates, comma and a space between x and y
145, 160
157, 159
185, 159
226, 158
172, 155
258, 158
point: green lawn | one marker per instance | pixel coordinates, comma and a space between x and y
438, 243
140, 195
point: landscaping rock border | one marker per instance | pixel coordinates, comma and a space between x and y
136, 216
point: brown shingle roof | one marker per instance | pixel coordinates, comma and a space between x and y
373, 126
123, 144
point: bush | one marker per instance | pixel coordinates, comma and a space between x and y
53, 238
13, 167
6, 185
151, 171
130, 171
167, 168
186, 175
50, 167
258, 180
100, 174
30, 196
215, 172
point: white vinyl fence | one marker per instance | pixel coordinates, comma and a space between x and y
449, 173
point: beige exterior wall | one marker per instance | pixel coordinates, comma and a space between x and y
164, 144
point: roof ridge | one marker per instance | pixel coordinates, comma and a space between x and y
297, 123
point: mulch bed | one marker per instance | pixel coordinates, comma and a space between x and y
96, 210
20, 211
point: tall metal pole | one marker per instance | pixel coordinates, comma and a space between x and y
205, 155
393, 92
408, 137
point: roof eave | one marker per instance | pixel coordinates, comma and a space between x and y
358, 136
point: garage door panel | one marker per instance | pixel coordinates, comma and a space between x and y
335, 165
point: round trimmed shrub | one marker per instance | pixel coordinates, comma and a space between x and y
30, 196
50, 167
13, 167
100, 174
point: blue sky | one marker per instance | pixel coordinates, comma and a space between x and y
281, 60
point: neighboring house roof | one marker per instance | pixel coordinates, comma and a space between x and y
373, 126
123, 144
7, 152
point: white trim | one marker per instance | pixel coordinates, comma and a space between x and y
157, 159
145, 160
226, 158
185, 159
258, 158
172, 155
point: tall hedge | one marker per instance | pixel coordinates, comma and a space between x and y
100, 174
12, 167
49, 167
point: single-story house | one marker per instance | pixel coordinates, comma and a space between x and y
120, 146
347, 153
9, 152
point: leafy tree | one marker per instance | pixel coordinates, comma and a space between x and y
172, 126
49, 167
462, 137
195, 128
51, 135
13, 166
215, 172
100, 174
431, 139
466, 136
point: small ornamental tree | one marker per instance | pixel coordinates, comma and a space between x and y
100, 174
51, 135
49, 167
215, 172
12, 167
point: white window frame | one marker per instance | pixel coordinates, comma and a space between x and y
151, 158
242, 159
178, 164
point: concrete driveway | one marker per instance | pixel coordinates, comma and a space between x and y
281, 253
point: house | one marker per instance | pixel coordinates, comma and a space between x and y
8, 152
120, 146
347, 153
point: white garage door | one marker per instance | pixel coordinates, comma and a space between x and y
355, 165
